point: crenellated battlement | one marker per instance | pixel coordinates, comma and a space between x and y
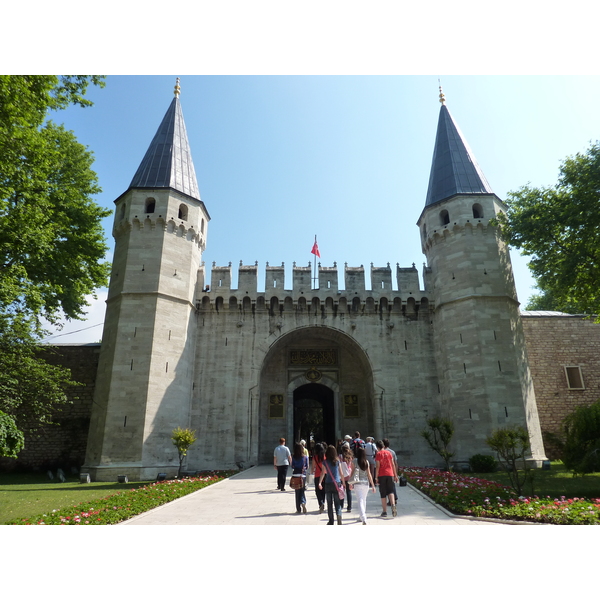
353, 297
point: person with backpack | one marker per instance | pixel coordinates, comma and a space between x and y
356, 443
371, 451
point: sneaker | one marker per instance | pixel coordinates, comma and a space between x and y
304, 508
364, 522
321, 508
383, 514
394, 511
339, 519
348, 509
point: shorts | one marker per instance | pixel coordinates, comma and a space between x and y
386, 485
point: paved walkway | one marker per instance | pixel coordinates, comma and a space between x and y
251, 498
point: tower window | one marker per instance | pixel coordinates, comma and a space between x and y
202, 226
122, 215
477, 211
574, 378
444, 217
183, 212
150, 205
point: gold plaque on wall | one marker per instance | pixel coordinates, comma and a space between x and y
276, 406
351, 410
313, 375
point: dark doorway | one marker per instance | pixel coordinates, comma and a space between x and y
314, 414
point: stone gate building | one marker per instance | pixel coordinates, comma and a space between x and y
243, 367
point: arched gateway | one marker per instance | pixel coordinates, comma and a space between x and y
316, 383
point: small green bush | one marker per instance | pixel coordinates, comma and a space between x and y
483, 463
582, 445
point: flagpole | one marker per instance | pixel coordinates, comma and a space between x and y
315, 267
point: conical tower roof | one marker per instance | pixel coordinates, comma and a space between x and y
168, 160
454, 169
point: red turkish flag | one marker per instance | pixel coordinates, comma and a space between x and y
315, 250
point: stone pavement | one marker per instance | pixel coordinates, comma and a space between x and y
251, 498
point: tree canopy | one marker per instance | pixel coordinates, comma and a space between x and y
52, 245
559, 227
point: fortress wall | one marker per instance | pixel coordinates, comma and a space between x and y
554, 342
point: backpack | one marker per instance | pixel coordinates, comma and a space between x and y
356, 444
373, 450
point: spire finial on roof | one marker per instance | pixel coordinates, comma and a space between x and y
177, 88
442, 97
168, 160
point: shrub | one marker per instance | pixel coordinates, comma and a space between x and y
483, 463
582, 444
438, 436
182, 440
510, 445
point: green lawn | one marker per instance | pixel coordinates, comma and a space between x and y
27, 495
555, 482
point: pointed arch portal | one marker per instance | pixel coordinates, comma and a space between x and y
316, 384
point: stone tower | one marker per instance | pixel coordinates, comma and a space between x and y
145, 374
484, 380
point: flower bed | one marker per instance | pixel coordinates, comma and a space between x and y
465, 495
120, 507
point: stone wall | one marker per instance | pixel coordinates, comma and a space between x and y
554, 342
63, 446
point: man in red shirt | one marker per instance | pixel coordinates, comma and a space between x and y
385, 476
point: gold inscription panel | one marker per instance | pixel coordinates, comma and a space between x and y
313, 357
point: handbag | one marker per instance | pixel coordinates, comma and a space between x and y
403, 481
341, 489
296, 482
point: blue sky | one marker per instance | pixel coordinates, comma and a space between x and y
280, 159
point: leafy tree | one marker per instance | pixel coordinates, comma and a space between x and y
182, 440
438, 436
559, 227
546, 301
11, 438
52, 244
581, 450
30, 388
511, 444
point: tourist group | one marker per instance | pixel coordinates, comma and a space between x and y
353, 465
